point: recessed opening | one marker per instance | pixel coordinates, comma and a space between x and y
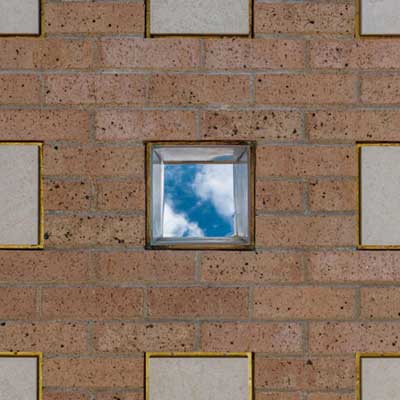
200, 195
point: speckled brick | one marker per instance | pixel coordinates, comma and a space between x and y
121, 195
302, 89
255, 337
380, 303
279, 196
113, 125
355, 266
17, 303
120, 395
145, 266
221, 303
184, 90
167, 53
138, 338
51, 338
330, 396
94, 231
330, 373
110, 89
66, 196
19, 89
94, 161
383, 89
95, 18
308, 18
323, 231
252, 125
303, 303
47, 395
352, 337
242, 54
44, 267
300, 161
231, 267
92, 303
65, 125
277, 396
383, 54
354, 125
93, 372
332, 194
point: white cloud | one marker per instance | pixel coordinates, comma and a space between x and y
214, 182
177, 225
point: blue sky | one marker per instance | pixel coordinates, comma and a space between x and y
198, 200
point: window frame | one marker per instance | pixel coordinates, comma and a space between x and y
201, 245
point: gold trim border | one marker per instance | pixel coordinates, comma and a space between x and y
358, 23
40, 244
148, 33
42, 26
359, 146
248, 355
39, 366
250, 245
359, 357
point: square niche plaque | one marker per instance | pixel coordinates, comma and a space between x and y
378, 376
21, 214
200, 195
379, 195
379, 17
20, 376
20, 17
199, 18
200, 376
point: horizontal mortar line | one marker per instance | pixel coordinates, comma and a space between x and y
303, 356
308, 213
93, 35
96, 213
91, 356
361, 71
304, 35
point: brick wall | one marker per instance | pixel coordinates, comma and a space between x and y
93, 301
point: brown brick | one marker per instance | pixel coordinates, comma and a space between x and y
64, 395
374, 54
138, 338
121, 195
230, 267
264, 338
111, 89
242, 54
95, 18
279, 196
330, 396
354, 125
352, 337
88, 231
92, 303
365, 266
332, 194
19, 89
184, 90
310, 374
310, 89
17, 303
321, 231
168, 53
94, 161
380, 89
65, 196
93, 372
113, 125
145, 266
277, 396
299, 161
303, 303
198, 302
51, 338
380, 303
120, 395
62, 125
306, 18
252, 125
48, 266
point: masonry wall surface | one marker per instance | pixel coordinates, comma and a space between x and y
93, 301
